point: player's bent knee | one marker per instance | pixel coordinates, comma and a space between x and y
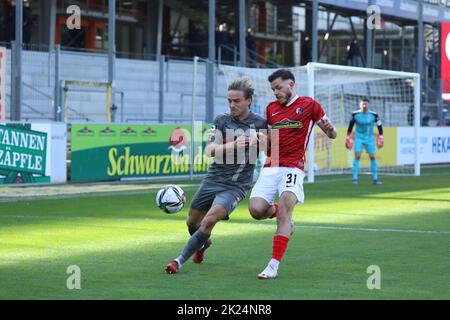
257, 212
192, 222
194, 217
258, 208
257, 215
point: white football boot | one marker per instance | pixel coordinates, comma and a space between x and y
269, 273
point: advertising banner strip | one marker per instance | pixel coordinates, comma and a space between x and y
331, 154
33, 153
112, 152
104, 135
22, 150
2, 83
445, 60
434, 145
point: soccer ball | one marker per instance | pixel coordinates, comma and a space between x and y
170, 199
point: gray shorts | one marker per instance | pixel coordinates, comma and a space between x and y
210, 194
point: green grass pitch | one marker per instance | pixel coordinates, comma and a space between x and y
121, 243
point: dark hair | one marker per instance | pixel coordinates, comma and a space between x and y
284, 74
364, 99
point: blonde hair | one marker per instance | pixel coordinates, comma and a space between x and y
243, 84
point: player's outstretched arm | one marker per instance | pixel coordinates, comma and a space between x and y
327, 127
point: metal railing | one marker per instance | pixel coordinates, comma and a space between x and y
252, 59
43, 115
43, 93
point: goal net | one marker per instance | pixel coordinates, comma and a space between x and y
393, 95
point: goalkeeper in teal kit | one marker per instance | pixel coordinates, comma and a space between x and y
365, 121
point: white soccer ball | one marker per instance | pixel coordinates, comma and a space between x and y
171, 199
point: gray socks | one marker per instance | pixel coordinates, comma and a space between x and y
196, 242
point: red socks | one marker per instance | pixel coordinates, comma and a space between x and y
279, 246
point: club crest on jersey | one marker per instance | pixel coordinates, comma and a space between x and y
298, 111
287, 123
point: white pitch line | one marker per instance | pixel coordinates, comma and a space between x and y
267, 225
84, 194
354, 228
376, 230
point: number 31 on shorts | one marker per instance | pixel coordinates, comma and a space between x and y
291, 179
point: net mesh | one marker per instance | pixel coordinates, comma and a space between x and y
339, 91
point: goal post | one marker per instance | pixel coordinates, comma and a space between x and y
87, 87
394, 95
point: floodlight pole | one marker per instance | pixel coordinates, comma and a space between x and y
162, 59
420, 38
418, 93
209, 112
310, 156
159, 29
194, 101
58, 114
417, 100
315, 33
242, 34
369, 41
310, 70
17, 65
111, 56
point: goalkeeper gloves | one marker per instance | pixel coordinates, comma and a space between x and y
349, 142
380, 141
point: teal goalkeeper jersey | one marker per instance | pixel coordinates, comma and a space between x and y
365, 123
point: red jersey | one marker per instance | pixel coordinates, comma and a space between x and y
291, 128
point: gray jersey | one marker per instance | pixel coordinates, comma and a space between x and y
235, 170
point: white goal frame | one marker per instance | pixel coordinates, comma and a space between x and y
312, 66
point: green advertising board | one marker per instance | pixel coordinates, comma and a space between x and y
23, 154
110, 152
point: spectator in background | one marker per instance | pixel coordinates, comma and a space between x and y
233, 37
354, 54
11, 20
8, 27
197, 40
4, 21
425, 121
224, 43
251, 47
306, 50
27, 22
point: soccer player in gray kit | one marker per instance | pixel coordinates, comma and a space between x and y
234, 142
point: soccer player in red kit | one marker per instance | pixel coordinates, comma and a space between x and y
291, 119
